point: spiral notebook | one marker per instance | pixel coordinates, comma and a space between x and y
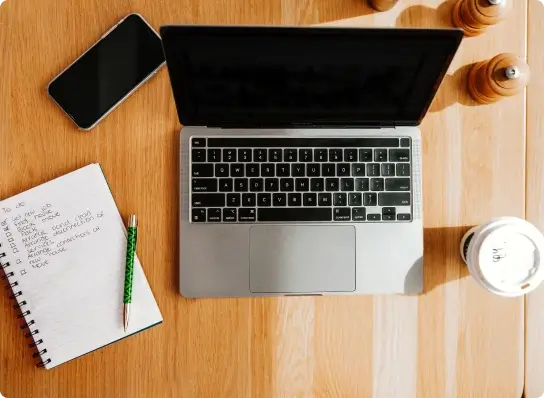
63, 248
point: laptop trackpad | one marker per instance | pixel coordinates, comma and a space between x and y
301, 259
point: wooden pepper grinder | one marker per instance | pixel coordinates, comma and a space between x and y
383, 5
502, 76
475, 16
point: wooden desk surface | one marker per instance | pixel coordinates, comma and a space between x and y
455, 340
534, 329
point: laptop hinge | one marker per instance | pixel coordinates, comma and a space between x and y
303, 125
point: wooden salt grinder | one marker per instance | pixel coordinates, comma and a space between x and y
502, 76
475, 16
383, 5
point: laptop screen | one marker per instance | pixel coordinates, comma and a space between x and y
278, 76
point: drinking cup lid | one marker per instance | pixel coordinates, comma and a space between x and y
509, 257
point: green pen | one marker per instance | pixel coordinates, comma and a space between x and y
129, 269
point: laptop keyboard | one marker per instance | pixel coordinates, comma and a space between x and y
293, 179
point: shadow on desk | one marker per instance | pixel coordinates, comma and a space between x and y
427, 17
338, 10
442, 260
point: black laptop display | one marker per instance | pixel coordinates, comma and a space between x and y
276, 76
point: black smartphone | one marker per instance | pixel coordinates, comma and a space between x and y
124, 58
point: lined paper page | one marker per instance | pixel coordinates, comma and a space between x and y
66, 244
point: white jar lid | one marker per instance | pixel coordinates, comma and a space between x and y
509, 256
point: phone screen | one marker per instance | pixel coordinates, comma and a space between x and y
108, 71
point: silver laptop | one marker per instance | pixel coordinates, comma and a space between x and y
300, 167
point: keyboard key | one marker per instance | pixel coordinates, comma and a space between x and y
388, 214
388, 169
394, 199
404, 217
229, 215
246, 215
248, 199
204, 185
294, 199
397, 184
373, 170
324, 199
317, 184
294, 214
305, 155
358, 170
341, 214
340, 199
214, 155
335, 155
399, 155
264, 199
282, 170
252, 170
362, 184
214, 215
350, 155
343, 170
198, 215
268, 170
290, 155
287, 184
208, 199
202, 170
271, 185
256, 184
346, 184
309, 199
331, 184
225, 184
244, 155
320, 155
376, 184
365, 155
198, 155
328, 170
358, 214
233, 200
374, 217
388, 210
313, 170
275, 155
198, 141
370, 199
403, 169
240, 184
221, 170
355, 199
259, 155
279, 199
405, 142
380, 155
237, 170
302, 184
298, 170
229, 155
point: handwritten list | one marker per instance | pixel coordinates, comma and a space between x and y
44, 232
66, 245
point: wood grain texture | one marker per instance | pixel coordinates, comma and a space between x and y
534, 323
455, 340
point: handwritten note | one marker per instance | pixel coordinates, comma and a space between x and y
66, 245
44, 231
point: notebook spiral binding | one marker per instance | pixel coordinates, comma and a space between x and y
30, 325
